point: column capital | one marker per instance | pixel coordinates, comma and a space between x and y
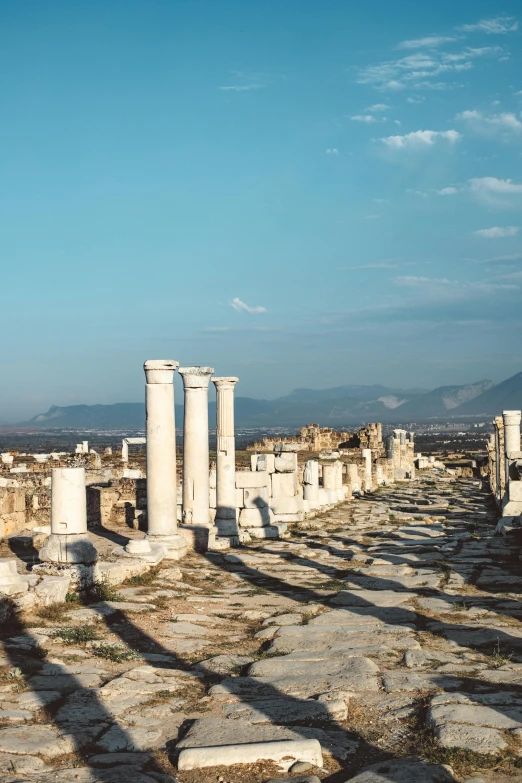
160, 370
196, 377
224, 382
511, 417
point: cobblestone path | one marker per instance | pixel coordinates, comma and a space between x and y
388, 629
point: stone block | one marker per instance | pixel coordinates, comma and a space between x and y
283, 485
263, 462
240, 498
515, 491
286, 462
249, 478
255, 497
291, 505
212, 497
270, 531
285, 753
255, 517
52, 590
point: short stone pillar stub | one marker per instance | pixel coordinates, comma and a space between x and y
69, 541
11, 583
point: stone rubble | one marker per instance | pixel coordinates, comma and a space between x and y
391, 627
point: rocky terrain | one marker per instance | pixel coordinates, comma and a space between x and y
387, 630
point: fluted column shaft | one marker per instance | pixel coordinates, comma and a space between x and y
196, 484
511, 436
226, 449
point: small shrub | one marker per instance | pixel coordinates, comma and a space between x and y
143, 579
76, 635
104, 591
53, 612
72, 598
114, 653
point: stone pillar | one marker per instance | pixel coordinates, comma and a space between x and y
226, 456
69, 541
196, 509
11, 583
311, 483
161, 458
329, 477
367, 456
511, 431
124, 450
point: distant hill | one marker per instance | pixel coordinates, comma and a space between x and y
505, 396
442, 401
340, 406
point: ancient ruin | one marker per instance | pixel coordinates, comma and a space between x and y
336, 607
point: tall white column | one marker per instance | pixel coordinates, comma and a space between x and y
69, 541
511, 436
511, 430
196, 508
161, 457
226, 454
367, 456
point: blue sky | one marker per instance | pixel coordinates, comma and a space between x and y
298, 193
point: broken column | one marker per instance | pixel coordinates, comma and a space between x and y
225, 519
69, 541
367, 457
11, 583
311, 484
161, 459
512, 499
196, 508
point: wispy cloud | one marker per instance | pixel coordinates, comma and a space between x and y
377, 107
420, 139
368, 118
417, 71
241, 87
379, 265
429, 42
332, 151
498, 25
239, 305
497, 232
449, 191
503, 124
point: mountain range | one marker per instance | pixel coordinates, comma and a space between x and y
340, 406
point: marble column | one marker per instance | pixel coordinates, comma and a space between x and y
161, 458
511, 437
69, 541
196, 507
511, 430
226, 456
367, 457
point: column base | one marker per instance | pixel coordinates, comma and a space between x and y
175, 545
63, 548
155, 554
226, 526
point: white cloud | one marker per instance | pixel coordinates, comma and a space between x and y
494, 185
497, 232
332, 151
417, 71
497, 25
420, 139
368, 118
241, 87
490, 124
381, 200
238, 305
377, 107
415, 99
450, 191
430, 42
419, 193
